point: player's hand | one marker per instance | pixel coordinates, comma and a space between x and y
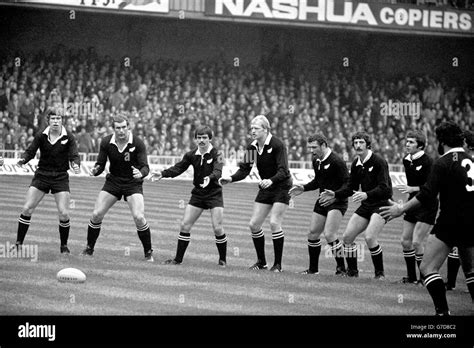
326, 195
21, 162
296, 190
136, 173
155, 176
225, 180
358, 197
94, 170
75, 168
1, 161
205, 182
327, 202
392, 211
265, 183
406, 188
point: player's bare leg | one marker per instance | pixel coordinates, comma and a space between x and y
104, 202
409, 252
136, 203
63, 200
356, 225
436, 252
278, 237
33, 198
420, 234
260, 212
217, 218
191, 214
333, 222
372, 231
316, 228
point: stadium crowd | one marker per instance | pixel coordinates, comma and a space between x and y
166, 100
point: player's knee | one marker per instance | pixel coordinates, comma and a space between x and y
416, 244
185, 227
406, 243
254, 226
63, 215
97, 216
371, 241
347, 239
218, 230
275, 226
139, 219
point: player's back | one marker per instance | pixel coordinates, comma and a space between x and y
455, 173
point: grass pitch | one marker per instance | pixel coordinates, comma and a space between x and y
120, 282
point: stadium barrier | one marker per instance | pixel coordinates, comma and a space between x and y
300, 176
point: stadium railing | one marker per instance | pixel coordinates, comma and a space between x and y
172, 160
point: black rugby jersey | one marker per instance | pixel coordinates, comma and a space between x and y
208, 164
372, 177
417, 170
329, 173
271, 161
452, 176
121, 162
54, 157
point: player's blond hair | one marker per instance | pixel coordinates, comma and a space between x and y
262, 121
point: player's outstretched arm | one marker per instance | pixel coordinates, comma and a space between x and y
224, 180
296, 190
155, 176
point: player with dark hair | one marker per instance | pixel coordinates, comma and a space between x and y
128, 167
207, 193
453, 257
270, 156
58, 151
416, 224
330, 172
369, 171
452, 177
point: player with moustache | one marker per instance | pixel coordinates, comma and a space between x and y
128, 166
58, 151
416, 224
207, 165
452, 177
330, 173
269, 154
369, 173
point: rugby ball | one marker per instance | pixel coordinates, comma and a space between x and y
71, 275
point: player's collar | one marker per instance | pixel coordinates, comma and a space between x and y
454, 149
130, 140
267, 141
325, 157
63, 133
198, 151
359, 163
415, 156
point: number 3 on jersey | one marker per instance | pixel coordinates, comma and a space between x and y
470, 173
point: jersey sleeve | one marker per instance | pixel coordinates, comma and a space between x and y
178, 169
244, 167
30, 152
73, 151
142, 159
352, 184
218, 165
281, 159
102, 157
